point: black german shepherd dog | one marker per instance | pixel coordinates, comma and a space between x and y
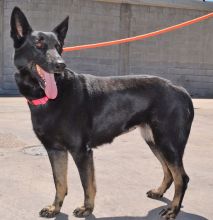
75, 113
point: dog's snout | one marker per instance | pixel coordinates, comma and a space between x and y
60, 66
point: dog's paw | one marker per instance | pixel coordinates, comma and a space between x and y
154, 194
169, 213
49, 212
82, 212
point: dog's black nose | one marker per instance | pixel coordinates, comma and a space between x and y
60, 66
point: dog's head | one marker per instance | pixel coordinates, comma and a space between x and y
37, 51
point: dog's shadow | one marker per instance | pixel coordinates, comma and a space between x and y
151, 215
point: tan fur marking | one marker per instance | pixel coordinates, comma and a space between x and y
177, 173
167, 180
59, 162
60, 175
146, 133
91, 189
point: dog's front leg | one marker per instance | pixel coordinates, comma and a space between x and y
85, 165
58, 160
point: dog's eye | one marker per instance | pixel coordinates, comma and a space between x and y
39, 45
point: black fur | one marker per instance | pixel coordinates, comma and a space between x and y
90, 111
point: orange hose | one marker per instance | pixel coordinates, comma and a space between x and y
139, 37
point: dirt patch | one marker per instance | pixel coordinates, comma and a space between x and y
37, 150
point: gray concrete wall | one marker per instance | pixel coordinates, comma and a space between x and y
184, 56
1, 43
181, 4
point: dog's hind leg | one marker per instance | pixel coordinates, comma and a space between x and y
173, 154
181, 180
85, 165
172, 138
58, 160
169, 148
167, 180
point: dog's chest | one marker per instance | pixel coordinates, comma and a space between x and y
55, 128
45, 123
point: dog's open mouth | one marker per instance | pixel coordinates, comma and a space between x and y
47, 82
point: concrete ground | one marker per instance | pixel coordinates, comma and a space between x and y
125, 171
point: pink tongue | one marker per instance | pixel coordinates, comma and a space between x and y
51, 90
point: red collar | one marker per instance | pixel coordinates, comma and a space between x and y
41, 101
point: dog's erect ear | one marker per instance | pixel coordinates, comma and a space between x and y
20, 27
61, 30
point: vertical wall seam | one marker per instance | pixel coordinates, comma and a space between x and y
125, 21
